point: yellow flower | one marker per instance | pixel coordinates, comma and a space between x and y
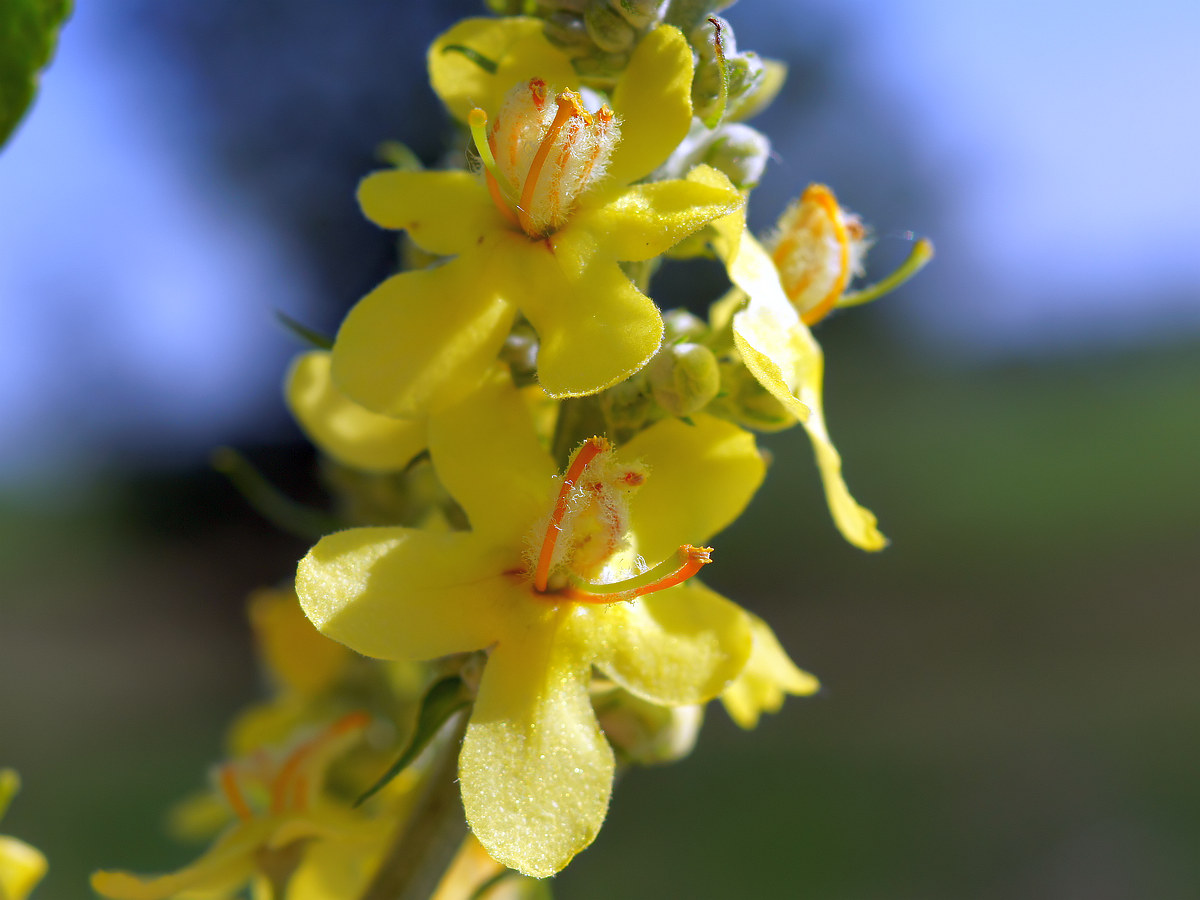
769, 675
21, 866
542, 232
536, 583
776, 345
286, 833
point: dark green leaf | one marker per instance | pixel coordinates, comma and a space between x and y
442, 700
28, 33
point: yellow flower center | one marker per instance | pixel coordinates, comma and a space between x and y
817, 249
541, 153
587, 528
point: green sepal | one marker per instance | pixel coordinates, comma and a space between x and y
399, 155
28, 34
713, 119
306, 334
269, 502
488, 65
442, 700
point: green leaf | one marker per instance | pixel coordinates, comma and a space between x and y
306, 334
442, 700
28, 34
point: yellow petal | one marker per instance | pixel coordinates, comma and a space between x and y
402, 593
351, 434
768, 676
674, 647
646, 220
856, 523
536, 772
514, 43
420, 336
224, 867
782, 354
594, 327
298, 656
487, 454
701, 478
444, 212
21, 868
654, 102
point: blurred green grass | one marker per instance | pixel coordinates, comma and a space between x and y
1011, 703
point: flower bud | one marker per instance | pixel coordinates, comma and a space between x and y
627, 406
744, 401
645, 733
740, 152
681, 325
608, 29
684, 378
641, 14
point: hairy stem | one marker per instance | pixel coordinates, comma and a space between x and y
427, 840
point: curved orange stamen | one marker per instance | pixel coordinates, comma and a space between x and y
590, 449
823, 197
568, 108
233, 793
696, 559
687, 561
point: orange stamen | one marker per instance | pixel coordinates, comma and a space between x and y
568, 108
696, 559
233, 793
688, 560
590, 449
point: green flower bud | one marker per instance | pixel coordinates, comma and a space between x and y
641, 14
684, 378
681, 325
645, 733
608, 29
740, 152
744, 401
627, 406
520, 352
567, 30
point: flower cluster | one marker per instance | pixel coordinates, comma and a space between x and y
530, 458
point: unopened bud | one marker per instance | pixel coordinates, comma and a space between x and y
744, 401
627, 405
608, 29
645, 733
681, 325
741, 152
641, 14
520, 352
684, 378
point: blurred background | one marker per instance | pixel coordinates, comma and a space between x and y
1012, 689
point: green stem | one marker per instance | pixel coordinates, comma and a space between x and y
427, 840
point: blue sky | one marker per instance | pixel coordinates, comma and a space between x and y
136, 300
